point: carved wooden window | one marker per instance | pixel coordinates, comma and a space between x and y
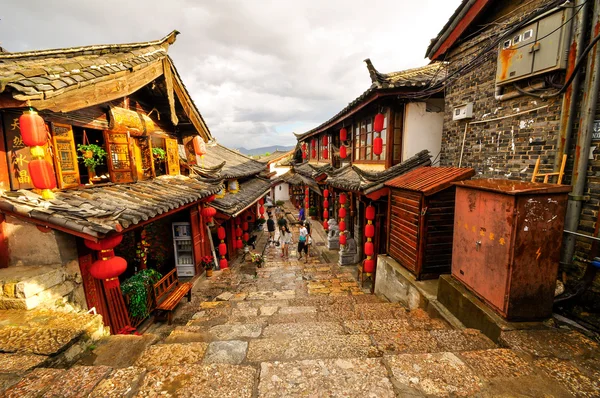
120, 160
65, 156
144, 163
172, 156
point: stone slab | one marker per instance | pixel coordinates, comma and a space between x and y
172, 354
550, 342
36, 340
78, 381
461, 340
225, 296
268, 310
569, 376
236, 331
349, 378
20, 363
207, 381
309, 329
119, 383
122, 351
35, 383
418, 341
232, 352
496, 363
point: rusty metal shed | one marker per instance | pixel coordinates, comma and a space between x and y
507, 237
421, 221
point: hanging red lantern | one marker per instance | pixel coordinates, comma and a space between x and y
261, 210
33, 129
303, 155
369, 266
342, 212
313, 153
342, 225
325, 153
378, 146
245, 226
326, 193
313, 143
199, 146
222, 249
326, 204
325, 225
107, 243
370, 212
107, 269
238, 221
238, 232
261, 201
343, 198
221, 233
343, 134
369, 230
343, 153
42, 174
378, 122
343, 239
223, 263
325, 140
369, 249
239, 244
326, 214
304, 146
208, 213
246, 236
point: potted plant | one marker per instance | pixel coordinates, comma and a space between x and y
138, 294
208, 264
312, 212
92, 155
159, 154
257, 259
259, 223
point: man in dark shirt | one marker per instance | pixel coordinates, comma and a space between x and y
271, 228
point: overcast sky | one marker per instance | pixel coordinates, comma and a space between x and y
257, 70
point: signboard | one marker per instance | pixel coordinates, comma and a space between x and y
596, 133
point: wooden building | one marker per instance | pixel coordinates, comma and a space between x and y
118, 117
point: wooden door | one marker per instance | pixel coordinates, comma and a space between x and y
196, 237
121, 162
65, 156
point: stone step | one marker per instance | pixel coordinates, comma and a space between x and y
120, 351
297, 330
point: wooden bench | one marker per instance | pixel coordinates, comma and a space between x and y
168, 292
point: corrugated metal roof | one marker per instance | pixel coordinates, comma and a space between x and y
430, 180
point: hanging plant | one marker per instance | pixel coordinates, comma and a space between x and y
92, 155
159, 153
136, 288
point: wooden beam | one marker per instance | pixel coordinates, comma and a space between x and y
169, 83
52, 226
100, 92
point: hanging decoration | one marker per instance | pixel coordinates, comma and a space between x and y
325, 143
378, 128
222, 248
199, 149
343, 153
35, 135
342, 219
246, 235
313, 153
343, 138
325, 209
369, 263
238, 234
208, 213
304, 154
313, 143
233, 186
343, 134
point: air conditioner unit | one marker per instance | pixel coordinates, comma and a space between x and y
464, 111
539, 47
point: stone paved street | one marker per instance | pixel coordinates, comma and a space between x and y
296, 329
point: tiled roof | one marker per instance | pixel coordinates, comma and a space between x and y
435, 42
430, 180
250, 192
47, 73
101, 210
412, 80
227, 163
311, 171
277, 155
352, 178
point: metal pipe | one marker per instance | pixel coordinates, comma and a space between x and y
584, 141
569, 102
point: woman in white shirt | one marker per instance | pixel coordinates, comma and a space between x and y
302, 242
285, 237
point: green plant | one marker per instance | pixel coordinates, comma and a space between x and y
136, 288
312, 211
207, 262
159, 153
92, 155
279, 203
257, 259
261, 221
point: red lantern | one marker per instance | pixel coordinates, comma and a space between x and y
343, 153
239, 244
246, 236
343, 134
261, 201
238, 232
325, 140
208, 213
370, 212
343, 239
326, 214
33, 129
303, 155
369, 230
343, 198
223, 263
107, 243
326, 204
209, 198
326, 193
342, 212
342, 225
313, 144
325, 225
378, 122
199, 146
221, 233
369, 266
313, 153
325, 153
238, 221
261, 210
245, 226
222, 249
107, 269
304, 146
378, 146
369, 249
42, 175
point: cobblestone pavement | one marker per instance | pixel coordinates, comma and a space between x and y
296, 329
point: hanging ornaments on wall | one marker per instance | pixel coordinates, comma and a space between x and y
325, 143
208, 213
199, 149
222, 248
304, 154
313, 149
35, 135
261, 208
342, 219
369, 263
343, 138
238, 234
325, 209
246, 235
378, 128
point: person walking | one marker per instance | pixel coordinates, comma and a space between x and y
308, 237
301, 215
285, 237
270, 228
302, 242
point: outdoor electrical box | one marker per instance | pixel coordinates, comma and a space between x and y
464, 111
540, 47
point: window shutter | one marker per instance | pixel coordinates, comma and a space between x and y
172, 156
196, 237
120, 164
144, 163
65, 156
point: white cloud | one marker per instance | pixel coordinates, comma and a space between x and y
254, 68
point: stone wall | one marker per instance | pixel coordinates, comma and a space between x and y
43, 269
